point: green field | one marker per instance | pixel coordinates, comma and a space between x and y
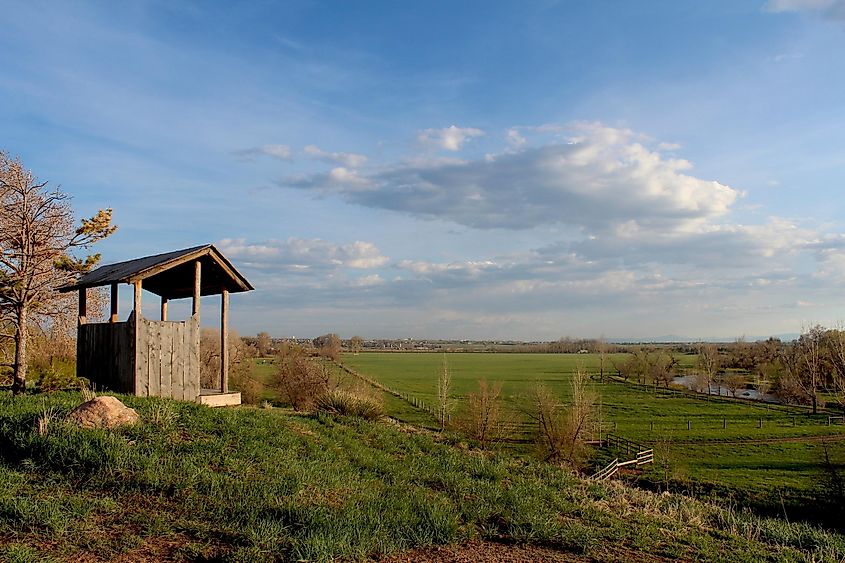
756, 452
192, 483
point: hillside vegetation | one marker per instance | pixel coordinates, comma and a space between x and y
248, 484
774, 458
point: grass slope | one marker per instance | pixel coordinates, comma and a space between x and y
245, 484
769, 457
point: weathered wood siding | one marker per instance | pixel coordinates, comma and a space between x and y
167, 359
105, 354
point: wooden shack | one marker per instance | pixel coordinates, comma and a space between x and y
158, 358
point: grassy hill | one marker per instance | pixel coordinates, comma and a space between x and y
246, 484
772, 457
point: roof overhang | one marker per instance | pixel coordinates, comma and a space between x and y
170, 275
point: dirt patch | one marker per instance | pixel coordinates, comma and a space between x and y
487, 551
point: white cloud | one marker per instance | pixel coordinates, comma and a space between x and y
831, 9
347, 159
798, 5
282, 152
451, 138
297, 254
599, 177
514, 137
367, 281
668, 146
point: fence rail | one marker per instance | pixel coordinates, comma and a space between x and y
642, 455
606, 472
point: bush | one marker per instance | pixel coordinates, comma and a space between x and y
52, 378
299, 378
344, 403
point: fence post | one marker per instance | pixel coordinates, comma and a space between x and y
760, 423
689, 425
724, 424
652, 426
793, 421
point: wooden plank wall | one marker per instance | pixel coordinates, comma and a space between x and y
167, 359
105, 354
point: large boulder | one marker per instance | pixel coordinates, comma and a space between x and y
103, 412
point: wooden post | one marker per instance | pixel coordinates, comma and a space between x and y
83, 306
224, 341
163, 308
113, 317
137, 312
195, 309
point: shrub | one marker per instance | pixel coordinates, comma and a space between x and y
484, 418
299, 378
562, 432
340, 402
249, 388
52, 378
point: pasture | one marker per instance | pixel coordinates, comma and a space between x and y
192, 483
761, 454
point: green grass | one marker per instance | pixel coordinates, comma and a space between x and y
721, 449
248, 484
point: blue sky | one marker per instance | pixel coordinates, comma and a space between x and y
521, 170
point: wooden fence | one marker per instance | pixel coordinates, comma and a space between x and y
105, 355
643, 455
156, 358
167, 359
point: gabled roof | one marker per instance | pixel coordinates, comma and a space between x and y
171, 274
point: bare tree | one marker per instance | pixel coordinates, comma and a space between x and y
733, 382
636, 365
240, 354
484, 418
709, 362
445, 404
602, 347
263, 342
328, 346
662, 367
356, 343
37, 241
562, 431
808, 363
836, 351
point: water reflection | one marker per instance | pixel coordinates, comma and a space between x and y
691, 383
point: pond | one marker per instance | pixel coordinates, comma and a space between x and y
689, 381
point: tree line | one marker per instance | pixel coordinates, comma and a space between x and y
807, 371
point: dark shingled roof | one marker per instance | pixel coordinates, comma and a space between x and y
171, 274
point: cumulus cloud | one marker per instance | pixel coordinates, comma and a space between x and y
451, 138
599, 177
723, 246
297, 254
348, 159
282, 152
